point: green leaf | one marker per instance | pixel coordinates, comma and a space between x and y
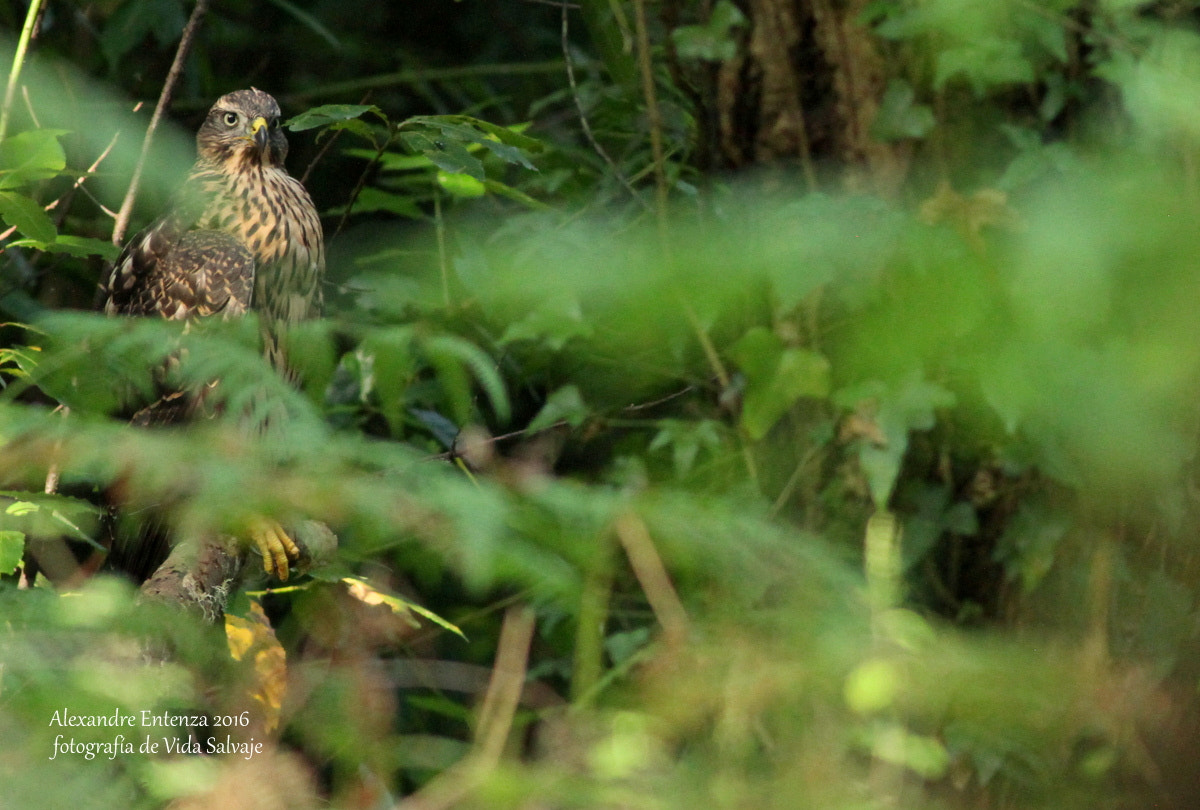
757, 352
448, 154
872, 686
391, 161
555, 321
373, 199
388, 367
12, 549
516, 195
80, 246
984, 63
897, 410
461, 185
565, 404
776, 378
898, 115
30, 156
713, 41
508, 135
450, 355
331, 114
504, 143
356, 126
26, 216
686, 439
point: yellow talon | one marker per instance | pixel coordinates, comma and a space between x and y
276, 547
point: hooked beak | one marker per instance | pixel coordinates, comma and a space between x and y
259, 132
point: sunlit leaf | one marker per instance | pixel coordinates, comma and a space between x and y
12, 549
368, 594
461, 185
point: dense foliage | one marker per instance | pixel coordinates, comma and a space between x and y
812, 388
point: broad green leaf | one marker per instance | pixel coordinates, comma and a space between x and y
985, 63
896, 410
331, 114
504, 143
448, 154
757, 352
391, 161
26, 216
555, 321
461, 185
924, 755
80, 246
898, 115
373, 199
387, 353
776, 378
508, 135
12, 549
565, 404
686, 439
30, 156
356, 126
713, 41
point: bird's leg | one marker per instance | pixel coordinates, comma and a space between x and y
277, 548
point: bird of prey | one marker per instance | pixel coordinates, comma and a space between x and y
241, 234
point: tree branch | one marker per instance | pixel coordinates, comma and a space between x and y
164, 101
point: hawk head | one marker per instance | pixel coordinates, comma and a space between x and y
242, 132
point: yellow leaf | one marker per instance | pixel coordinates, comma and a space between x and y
367, 594
256, 635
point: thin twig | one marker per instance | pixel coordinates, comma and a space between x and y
439, 227
508, 679
53, 471
320, 156
641, 406
646, 64
29, 106
362, 182
495, 718
652, 576
328, 145
793, 481
164, 100
583, 119
512, 434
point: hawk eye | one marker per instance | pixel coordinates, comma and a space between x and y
231, 119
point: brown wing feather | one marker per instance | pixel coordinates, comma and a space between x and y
202, 273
